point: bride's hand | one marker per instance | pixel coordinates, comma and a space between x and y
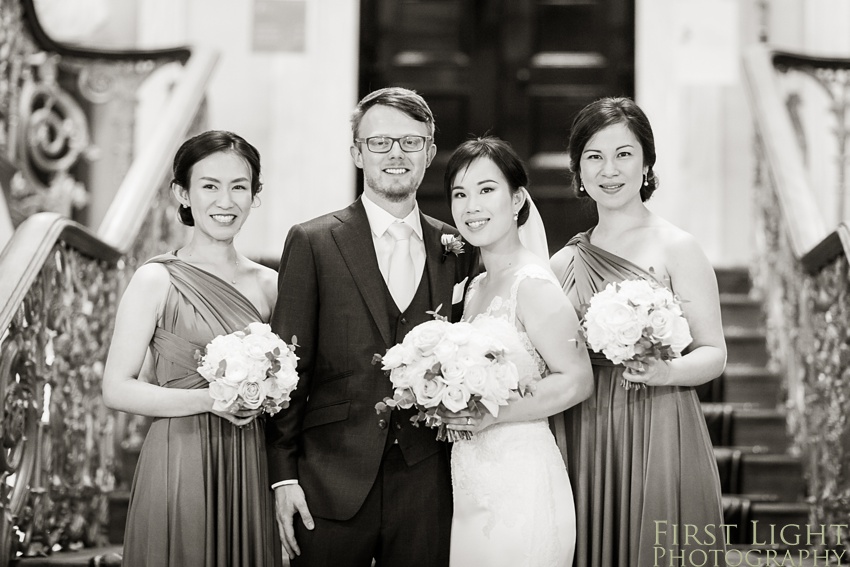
239, 418
466, 420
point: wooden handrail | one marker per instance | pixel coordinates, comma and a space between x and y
125, 215
807, 227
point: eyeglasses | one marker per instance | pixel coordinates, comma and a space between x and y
383, 144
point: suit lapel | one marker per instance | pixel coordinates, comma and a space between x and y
441, 273
354, 240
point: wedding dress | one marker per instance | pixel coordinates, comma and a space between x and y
513, 505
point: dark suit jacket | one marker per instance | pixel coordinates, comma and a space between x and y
333, 298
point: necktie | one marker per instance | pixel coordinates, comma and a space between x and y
401, 275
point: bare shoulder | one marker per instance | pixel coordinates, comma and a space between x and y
679, 245
149, 285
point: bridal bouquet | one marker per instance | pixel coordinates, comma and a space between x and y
442, 366
250, 369
634, 321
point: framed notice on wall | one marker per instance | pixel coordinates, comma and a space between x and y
279, 26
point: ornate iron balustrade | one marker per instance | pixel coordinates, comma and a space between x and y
52, 98
803, 275
59, 287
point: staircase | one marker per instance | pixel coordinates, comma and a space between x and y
762, 480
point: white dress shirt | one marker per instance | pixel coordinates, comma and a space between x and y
379, 220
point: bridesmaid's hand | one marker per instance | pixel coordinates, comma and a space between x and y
652, 373
239, 418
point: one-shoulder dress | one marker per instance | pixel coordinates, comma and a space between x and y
200, 494
641, 461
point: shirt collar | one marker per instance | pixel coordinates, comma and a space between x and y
379, 219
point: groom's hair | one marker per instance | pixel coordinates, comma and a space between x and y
405, 100
501, 154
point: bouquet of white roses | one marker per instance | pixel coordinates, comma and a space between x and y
442, 366
633, 321
250, 369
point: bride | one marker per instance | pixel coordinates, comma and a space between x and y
513, 505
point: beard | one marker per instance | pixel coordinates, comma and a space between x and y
392, 191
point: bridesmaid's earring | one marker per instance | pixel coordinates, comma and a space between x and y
516, 215
645, 182
581, 186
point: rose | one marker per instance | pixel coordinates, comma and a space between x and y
638, 292
455, 397
631, 334
598, 337
252, 393
224, 395
257, 328
453, 372
681, 335
619, 353
428, 392
238, 369
445, 350
661, 321
459, 333
612, 315
393, 358
426, 336
476, 379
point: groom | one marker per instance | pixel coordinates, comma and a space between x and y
352, 283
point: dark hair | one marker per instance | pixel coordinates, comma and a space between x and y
500, 153
405, 100
603, 113
203, 145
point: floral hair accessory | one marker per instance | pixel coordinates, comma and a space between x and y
451, 244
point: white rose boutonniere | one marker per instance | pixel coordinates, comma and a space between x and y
452, 244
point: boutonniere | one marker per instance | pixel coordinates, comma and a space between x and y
451, 244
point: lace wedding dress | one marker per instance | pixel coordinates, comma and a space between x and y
513, 505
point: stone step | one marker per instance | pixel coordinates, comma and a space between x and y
733, 280
746, 346
752, 518
740, 310
754, 385
757, 473
743, 384
742, 425
100, 556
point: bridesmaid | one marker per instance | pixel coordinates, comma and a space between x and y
640, 459
200, 495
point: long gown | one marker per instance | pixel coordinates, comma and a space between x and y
200, 495
641, 459
513, 505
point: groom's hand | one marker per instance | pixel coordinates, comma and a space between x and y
289, 500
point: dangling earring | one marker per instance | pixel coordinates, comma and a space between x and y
516, 215
645, 182
581, 186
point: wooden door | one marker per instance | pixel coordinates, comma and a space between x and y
517, 69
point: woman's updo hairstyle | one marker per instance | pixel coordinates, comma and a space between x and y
500, 153
597, 116
203, 145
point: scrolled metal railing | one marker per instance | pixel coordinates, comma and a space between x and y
59, 287
803, 276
